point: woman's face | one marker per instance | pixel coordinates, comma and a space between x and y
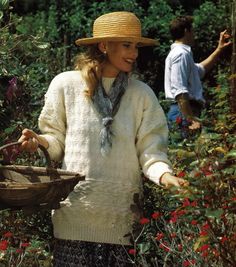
121, 56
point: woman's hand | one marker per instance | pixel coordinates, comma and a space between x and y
168, 180
30, 141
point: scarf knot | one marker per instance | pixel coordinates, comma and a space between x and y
107, 106
107, 121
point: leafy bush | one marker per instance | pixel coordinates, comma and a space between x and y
196, 227
25, 239
209, 20
181, 228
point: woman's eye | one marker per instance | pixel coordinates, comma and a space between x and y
126, 45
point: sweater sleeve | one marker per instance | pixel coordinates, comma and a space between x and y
152, 139
52, 120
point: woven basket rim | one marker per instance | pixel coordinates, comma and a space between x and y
37, 184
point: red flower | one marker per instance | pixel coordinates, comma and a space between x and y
194, 203
205, 226
203, 233
19, 251
207, 173
204, 254
166, 249
173, 235
173, 219
223, 239
164, 246
204, 247
174, 213
144, 220
178, 120
3, 245
8, 234
24, 245
159, 236
187, 263
197, 174
194, 222
156, 215
181, 174
186, 202
132, 251
181, 212
180, 247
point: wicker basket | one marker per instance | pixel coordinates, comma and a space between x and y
35, 187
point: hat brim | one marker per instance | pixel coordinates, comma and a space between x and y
94, 40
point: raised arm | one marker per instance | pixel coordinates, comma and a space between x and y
224, 42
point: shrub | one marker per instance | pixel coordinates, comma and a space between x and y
196, 226
25, 239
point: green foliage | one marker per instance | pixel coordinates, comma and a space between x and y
4, 5
24, 57
33, 48
209, 20
156, 24
196, 226
25, 239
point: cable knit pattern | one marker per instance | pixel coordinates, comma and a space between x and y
98, 210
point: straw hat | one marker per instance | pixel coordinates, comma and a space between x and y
117, 26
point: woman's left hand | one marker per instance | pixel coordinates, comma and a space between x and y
168, 180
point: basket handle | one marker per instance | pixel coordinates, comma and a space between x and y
44, 150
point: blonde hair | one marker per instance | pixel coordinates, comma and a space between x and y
90, 65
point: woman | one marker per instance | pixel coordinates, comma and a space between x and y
108, 126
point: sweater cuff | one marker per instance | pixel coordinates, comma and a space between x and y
156, 170
54, 149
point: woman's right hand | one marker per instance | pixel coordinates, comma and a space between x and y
30, 141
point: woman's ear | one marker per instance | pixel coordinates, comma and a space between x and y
102, 47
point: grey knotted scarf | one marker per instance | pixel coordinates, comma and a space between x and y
107, 106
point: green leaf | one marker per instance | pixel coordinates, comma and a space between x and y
144, 247
231, 154
21, 29
4, 4
9, 130
43, 46
194, 163
214, 213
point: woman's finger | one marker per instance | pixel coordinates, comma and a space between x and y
183, 182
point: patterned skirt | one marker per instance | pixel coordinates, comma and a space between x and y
74, 253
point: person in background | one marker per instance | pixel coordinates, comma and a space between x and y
183, 86
110, 127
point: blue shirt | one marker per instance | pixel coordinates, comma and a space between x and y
182, 74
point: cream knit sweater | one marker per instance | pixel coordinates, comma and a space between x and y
98, 210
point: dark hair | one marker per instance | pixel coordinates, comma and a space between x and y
179, 25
